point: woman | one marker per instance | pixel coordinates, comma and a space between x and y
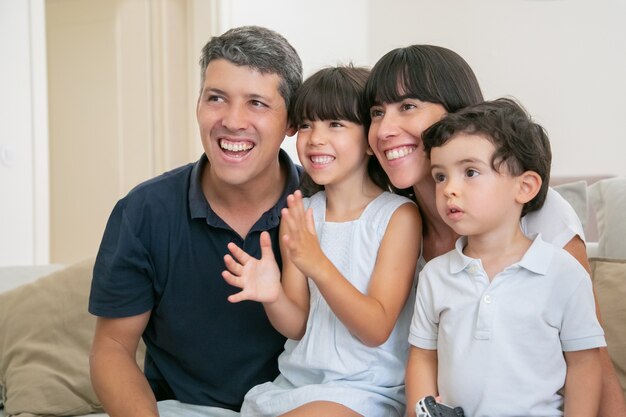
408, 90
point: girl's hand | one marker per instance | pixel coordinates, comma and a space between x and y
259, 279
300, 238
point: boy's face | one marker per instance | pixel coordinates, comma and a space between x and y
243, 121
473, 198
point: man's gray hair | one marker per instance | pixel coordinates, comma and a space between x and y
260, 48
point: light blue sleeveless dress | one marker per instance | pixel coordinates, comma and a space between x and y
329, 363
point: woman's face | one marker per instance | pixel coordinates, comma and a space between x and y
395, 136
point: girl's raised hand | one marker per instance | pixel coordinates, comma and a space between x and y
259, 279
299, 237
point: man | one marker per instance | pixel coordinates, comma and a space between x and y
158, 270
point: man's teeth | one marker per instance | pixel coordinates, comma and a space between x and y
235, 146
322, 159
399, 152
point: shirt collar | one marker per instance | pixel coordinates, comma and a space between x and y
536, 259
200, 208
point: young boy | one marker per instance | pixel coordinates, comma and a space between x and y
503, 321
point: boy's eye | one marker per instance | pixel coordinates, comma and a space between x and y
438, 177
472, 173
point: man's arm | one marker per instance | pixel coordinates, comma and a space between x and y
117, 380
612, 402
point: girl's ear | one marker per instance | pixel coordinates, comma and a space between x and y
291, 130
529, 185
369, 151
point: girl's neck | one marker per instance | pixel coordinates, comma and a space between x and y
346, 202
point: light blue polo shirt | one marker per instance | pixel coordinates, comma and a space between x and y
500, 344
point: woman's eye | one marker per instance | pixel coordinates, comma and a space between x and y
375, 113
407, 106
257, 103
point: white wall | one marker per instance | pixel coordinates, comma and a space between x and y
23, 134
565, 60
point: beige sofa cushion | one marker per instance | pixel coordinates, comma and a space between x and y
45, 338
609, 280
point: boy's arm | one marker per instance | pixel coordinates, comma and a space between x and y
612, 397
286, 304
583, 383
421, 377
117, 380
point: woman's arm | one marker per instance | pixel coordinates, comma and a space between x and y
372, 316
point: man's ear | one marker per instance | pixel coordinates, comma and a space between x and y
529, 185
291, 130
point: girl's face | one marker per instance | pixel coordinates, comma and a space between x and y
332, 151
395, 136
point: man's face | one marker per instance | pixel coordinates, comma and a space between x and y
243, 120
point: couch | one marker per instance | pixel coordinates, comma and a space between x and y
45, 330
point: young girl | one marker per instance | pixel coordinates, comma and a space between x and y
349, 260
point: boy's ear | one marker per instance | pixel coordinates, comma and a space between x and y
291, 130
529, 185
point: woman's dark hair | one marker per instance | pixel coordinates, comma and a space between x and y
520, 144
426, 72
334, 93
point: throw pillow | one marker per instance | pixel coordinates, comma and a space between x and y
576, 195
609, 281
608, 198
45, 338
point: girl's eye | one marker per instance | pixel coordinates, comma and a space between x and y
302, 126
407, 106
472, 173
335, 124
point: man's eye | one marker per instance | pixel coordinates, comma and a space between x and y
214, 98
257, 103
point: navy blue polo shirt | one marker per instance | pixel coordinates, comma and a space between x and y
163, 250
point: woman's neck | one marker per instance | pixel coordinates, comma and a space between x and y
438, 237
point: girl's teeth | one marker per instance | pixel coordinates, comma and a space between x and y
325, 159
